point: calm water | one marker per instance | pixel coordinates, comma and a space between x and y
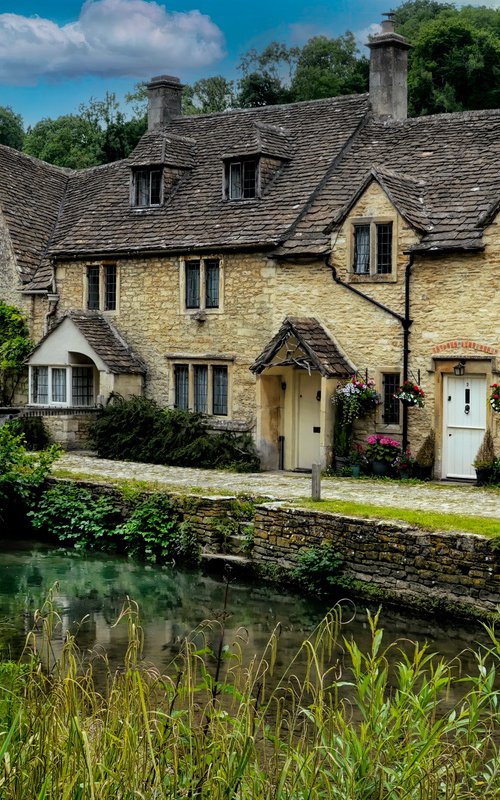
93, 588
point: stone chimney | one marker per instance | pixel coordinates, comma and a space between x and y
388, 72
164, 100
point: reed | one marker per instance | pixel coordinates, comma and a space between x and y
381, 728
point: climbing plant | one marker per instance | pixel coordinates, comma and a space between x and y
15, 347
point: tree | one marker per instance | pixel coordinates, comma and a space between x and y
68, 141
267, 75
410, 17
454, 67
208, 95
328, 68
11, 128
15, 347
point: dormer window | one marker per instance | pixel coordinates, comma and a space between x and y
147, 188
242, 176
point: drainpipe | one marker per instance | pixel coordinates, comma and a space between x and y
53, 300
404, 321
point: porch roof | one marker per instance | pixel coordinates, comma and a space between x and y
320, 351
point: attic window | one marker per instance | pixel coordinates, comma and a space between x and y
147, 188
241, 179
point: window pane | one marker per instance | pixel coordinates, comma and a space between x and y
110, 287
235, 188
93, 287
200, 388
82, 386
141, 188
192, 284
181, 376
155, 187
212, 284
58, 385
361, 265
249, 179
40, 385
220, 391
391, 404
384, 248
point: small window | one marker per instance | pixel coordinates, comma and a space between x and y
147, 185
102, 287
372, 248
40, 385
82, 386
242, 179
202, 388
390, 413
202, 281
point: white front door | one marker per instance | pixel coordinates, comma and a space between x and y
308, 427
464, 418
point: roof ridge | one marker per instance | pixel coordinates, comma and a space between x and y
54, 167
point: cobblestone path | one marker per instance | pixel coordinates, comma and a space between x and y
445, 498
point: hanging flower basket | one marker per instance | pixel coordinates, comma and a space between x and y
410, 394
495, 397
356, 399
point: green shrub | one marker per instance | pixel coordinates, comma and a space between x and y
34, 431
316, 569
153, 531
21, 473
139, 430
73, 515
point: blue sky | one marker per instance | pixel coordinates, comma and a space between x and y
56, 55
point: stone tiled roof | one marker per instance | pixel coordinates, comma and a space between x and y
318, 349
163, 147
31, 194
105, 341
97, 217
453, 158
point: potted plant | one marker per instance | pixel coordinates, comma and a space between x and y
495, 397
404, 464
485, 460
410, 394
356, 460
424, 460
381, 451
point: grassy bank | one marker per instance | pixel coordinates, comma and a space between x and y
212, 726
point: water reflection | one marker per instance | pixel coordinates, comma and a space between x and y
173, 602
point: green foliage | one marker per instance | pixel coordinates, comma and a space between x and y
139, 430
426, 454
11, 128
217, 726
208, 95
15, 347
21, 473
328, 68
33, 429
153, 531
316, 569
72, 514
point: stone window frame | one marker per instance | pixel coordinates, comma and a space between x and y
226, 178
202, 309
134, 184
192, 361
103, 267
372, 276
68, 368
396, 428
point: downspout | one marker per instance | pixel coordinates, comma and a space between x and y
53, 301
405, 322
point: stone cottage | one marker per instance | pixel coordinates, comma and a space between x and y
242, 263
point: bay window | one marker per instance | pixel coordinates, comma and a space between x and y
62, 386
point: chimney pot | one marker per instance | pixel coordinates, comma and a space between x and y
164, 100
389, 72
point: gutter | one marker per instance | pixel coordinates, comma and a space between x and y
404, 320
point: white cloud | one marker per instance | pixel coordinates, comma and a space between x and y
136, 38
362, 36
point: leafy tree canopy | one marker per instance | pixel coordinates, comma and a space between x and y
11, 128
15, 347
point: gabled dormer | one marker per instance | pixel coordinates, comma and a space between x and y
254, 160
157, 164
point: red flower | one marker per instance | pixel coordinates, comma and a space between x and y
496, 396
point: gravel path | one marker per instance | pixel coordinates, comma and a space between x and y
445, 498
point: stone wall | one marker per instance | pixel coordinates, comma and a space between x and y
405, 562
69, 430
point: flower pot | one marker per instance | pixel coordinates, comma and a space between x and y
380, 468
483, 476
355, 470
404, 474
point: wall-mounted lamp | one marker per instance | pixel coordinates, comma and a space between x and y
459, 369
283, 386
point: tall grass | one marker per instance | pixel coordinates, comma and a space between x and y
215, 727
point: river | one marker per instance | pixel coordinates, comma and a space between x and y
173, 602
